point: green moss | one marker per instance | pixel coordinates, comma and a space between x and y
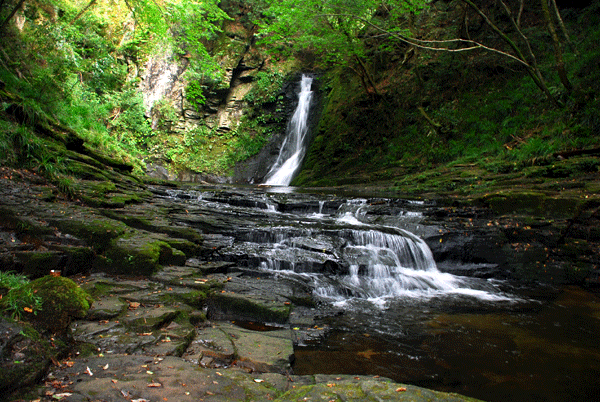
536, 203
62, 300
99, 233
193, 237
231, 304
196, 299
137, 255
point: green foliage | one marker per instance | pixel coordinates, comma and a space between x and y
267, 85
18, 299
194, 93
165, 113
333, 30
9, 280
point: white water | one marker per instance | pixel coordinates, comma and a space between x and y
384, 262
293, 148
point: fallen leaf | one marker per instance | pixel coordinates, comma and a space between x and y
258, 380
154, 385
401, 389
105, 367
88, 371
367, 354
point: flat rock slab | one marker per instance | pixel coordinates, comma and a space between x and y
263, 351
361, 389
224, 344
106, 308
141, 378
248, 298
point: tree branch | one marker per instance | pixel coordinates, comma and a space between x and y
91, 3
12, 13
426, 44
563, 27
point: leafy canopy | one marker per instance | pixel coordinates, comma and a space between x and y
332, 29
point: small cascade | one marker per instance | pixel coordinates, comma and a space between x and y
342, 249
293, 148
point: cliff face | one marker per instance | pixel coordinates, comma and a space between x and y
224, 107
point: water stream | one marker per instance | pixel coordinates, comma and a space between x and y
385, 307
293, 149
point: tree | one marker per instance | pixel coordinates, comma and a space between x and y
334, 30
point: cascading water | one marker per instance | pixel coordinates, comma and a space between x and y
344, 256
339, 249
368, 298
389, 262
294, 146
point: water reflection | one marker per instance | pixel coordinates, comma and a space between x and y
530, 351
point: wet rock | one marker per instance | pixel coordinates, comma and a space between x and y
147, 319
106, 308
24, 356
212, 347
62, 300
210, 267
225, 344
230, 306
351, 388
142, 378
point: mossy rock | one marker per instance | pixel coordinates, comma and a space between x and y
140, 254
23, 226
37, 264
62, 301
240, 307
24, 356
530, 202
571, 167
351, 388
144, 223
97, 232
196, 299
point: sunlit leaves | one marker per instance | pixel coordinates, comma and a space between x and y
335, 30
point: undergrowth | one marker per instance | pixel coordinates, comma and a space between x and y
487, 113
18, 298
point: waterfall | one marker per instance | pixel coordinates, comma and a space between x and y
344, 250
294, 146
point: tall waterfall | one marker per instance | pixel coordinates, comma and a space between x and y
294, 146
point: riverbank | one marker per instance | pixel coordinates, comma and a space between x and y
161, 290
167, 321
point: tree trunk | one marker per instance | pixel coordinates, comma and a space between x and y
91, 3
560, 63
531, 66
12, 13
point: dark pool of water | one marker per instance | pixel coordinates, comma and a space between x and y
532, 350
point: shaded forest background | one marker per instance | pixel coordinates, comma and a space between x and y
406, 88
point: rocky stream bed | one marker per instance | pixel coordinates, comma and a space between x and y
180, 314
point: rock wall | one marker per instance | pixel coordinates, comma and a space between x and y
164, 81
